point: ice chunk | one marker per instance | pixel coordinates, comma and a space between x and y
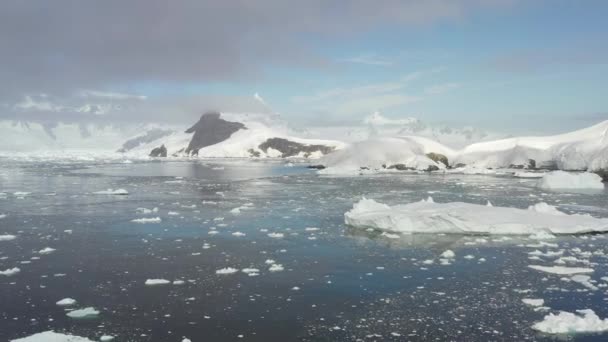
46, 250
152, 282
121, 192
467, 218
50, 336
584, 321
66, 302
147, 220
89, 312
448, 254
226, 270
533, 302
560, 180
106, 338
562, 270
10, 272
7, 237
276, 268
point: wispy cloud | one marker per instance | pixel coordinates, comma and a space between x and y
367, 59
364, 99
441, 88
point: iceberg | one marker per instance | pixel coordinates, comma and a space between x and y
466, 218
561, 180
51, 336
584, 321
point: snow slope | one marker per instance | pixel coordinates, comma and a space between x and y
381, 153
582, 150
260, 127
466, 218
585, 149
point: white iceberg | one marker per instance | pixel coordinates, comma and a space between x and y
467, 218
584, 321
51, 336
561, 180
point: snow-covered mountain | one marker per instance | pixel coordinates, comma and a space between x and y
582, 150
376, 126
224, 135
238, 135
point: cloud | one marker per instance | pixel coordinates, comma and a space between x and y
339, 103
537, 60
368, 59
62, 46
441, 88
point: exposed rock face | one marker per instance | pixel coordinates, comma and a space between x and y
603, 173
438, 158
291, 148
150, 136
159, 152
210, 130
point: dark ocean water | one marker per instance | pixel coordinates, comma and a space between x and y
336, 284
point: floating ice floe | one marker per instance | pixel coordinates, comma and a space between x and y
226, 270
2, 216
276, 235
106, 338
7, 237
147, 220
10, 272
584, 321
89, 312
46, 250
51, 336
66, 302
276, 268
121, 192
467, 218
561, 270
561, 180
152, 282
533, 302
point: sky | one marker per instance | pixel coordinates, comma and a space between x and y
511, 65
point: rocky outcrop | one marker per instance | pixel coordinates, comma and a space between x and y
210, 130
289, 148
159, 152
149, 136
438, 158
602, 173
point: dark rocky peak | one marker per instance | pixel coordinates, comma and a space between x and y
210, 130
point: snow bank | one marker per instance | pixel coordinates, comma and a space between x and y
557, 180
51, 336
381, 153
467, 218
584, 149
584, 321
